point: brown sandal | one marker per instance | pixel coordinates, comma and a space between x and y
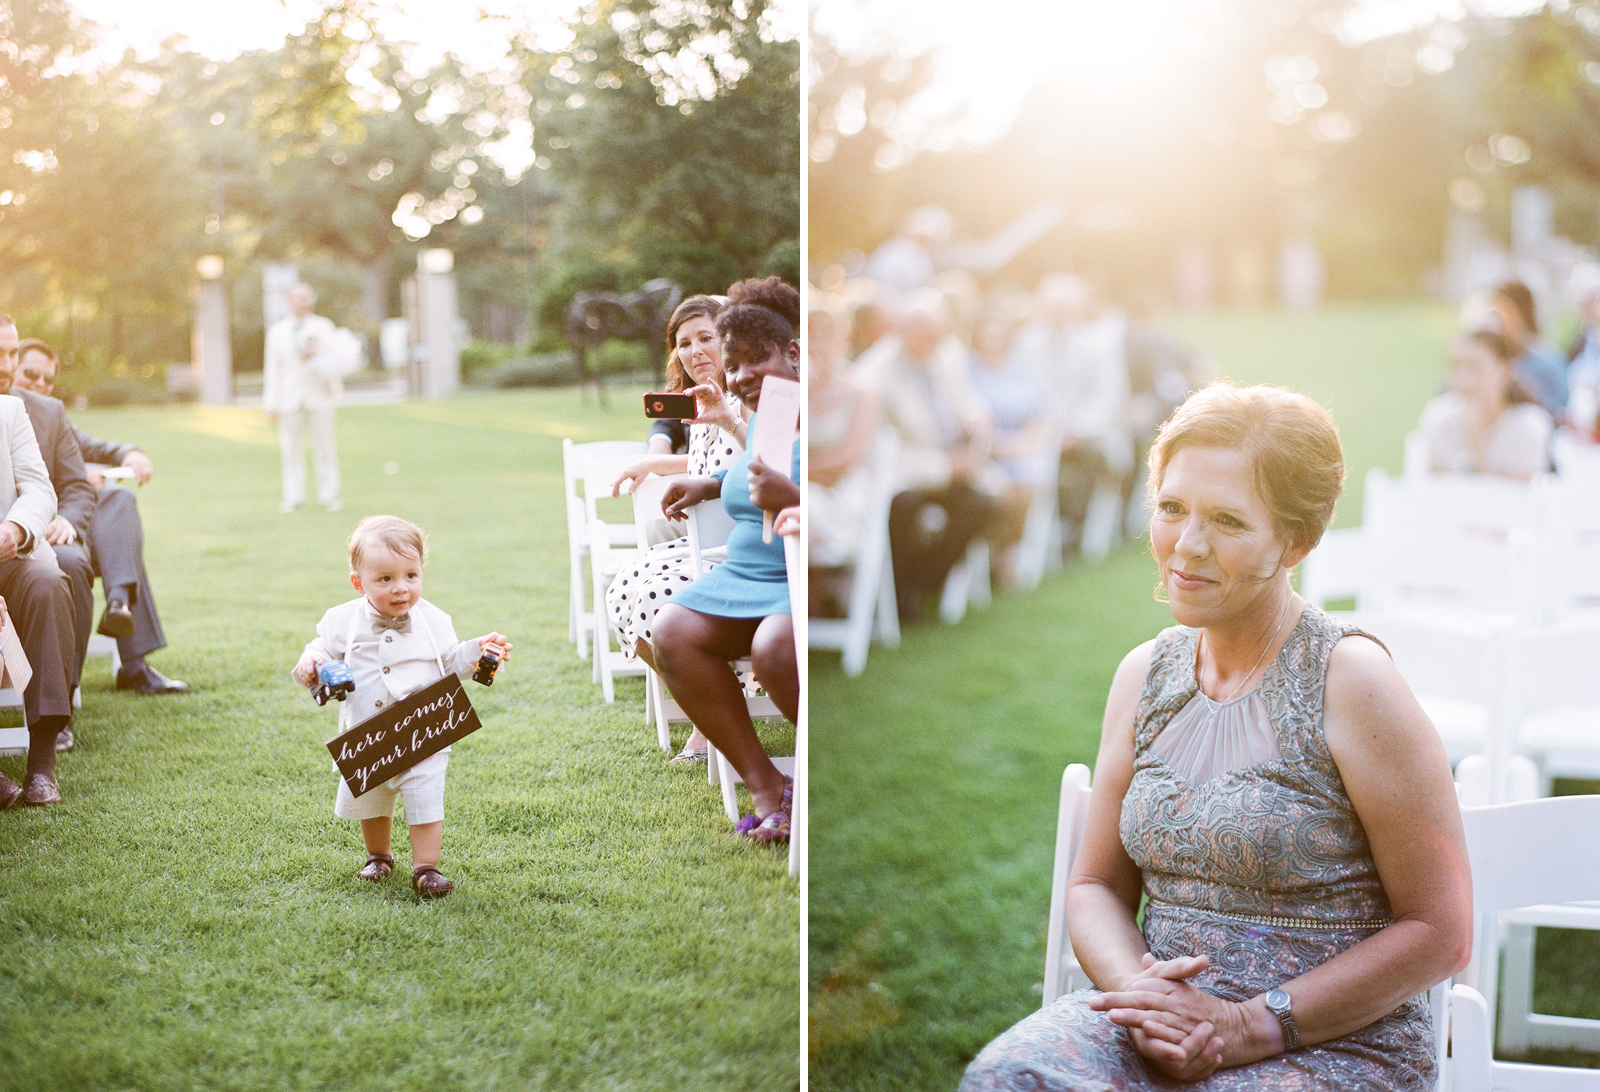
378, 866
430, 883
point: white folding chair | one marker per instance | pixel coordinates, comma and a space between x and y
647, 513
873, 611
580, 622
797, 610
13, 741
1528, 859
611, 547
1062, 972
1040, 527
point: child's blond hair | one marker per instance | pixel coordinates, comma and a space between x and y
399, 535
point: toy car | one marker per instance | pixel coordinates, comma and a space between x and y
488, 664
334, 681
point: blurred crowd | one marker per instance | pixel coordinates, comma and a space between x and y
1510, 387
1002, 401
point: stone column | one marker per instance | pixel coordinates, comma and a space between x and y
436, 323
212, 345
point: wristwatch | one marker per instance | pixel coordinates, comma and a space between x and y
1278, 1003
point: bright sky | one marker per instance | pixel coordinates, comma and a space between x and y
992, 54
439, 26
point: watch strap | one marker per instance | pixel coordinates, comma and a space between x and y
1278, 1004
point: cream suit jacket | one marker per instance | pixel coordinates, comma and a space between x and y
289, 383
26, 496
389, 666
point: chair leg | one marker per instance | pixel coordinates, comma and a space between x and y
728, 779
1516, 990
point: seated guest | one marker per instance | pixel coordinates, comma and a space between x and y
68, 531
1538, 366
36, 592
716, 437
1583, 365
741, 608
941, 503
115, 537
843, 419
1486, 423
1017, 401
1273, 870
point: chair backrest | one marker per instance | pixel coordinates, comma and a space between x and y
647, 506
709, 526
1338, 568
600, 469
1556, 666
1575, 460
1533, 852
1444, 657
1465, 502
1060, 965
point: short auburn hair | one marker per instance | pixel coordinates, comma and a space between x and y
1290, 440
400, 535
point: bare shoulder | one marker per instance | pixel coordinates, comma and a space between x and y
1126, 685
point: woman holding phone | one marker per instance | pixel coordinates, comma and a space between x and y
716, 437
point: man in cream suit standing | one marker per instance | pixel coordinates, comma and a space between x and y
36, 592
302, 388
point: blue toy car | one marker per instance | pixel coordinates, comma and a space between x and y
334, 681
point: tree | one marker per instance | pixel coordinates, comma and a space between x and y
672, 133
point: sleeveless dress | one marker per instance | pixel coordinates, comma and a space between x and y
1266, 869
644, 587
754, 581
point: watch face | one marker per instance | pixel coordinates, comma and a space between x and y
1278, 1000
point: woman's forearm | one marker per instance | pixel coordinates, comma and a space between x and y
1351, 990
1105, 937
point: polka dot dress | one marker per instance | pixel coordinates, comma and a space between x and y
641, 589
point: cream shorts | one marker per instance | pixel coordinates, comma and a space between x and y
421, 787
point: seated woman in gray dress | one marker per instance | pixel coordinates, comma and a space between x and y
1266, 777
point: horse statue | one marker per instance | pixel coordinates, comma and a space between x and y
641, 315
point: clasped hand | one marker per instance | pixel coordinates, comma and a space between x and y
1176, 1027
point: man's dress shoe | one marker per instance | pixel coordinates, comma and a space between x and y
147, 680
39, 789
117, 621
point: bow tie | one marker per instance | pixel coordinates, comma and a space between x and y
399, 625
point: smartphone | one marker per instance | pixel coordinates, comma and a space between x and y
680, 406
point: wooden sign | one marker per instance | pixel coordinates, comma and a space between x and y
404, 734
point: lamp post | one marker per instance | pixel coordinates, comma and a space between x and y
436, 319
211, 344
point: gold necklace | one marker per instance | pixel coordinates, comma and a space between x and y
1281, 619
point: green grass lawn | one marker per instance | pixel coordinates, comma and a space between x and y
188, 917
935, 775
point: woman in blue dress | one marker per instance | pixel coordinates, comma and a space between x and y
741, 608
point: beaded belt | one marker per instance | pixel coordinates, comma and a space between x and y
1285, 922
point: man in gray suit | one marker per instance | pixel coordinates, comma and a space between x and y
114, 537
36, 592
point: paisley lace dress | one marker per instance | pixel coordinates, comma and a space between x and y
1266, 869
